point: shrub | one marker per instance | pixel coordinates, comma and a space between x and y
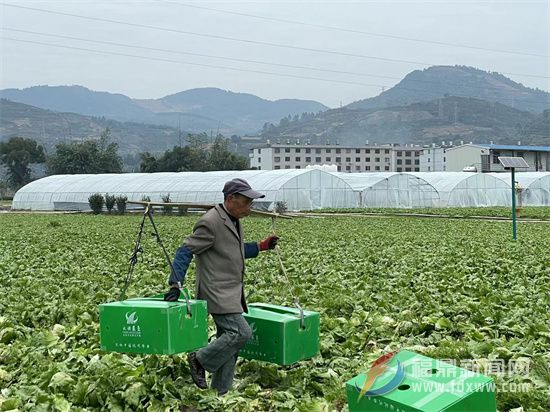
96, 203
166, 208
121, 204
182, 210
281, 208
109, 202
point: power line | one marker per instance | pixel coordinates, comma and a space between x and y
237, 69
190, 63
219, 57
332, 52
198, 54
368, 33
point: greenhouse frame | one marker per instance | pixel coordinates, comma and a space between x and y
535, 187
299, 189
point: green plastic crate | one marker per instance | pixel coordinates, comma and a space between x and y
151, 325
429, 385
277, 335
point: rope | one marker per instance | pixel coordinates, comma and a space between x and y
279, 258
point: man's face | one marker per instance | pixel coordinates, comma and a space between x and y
238, 205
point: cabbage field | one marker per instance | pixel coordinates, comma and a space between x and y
448, 289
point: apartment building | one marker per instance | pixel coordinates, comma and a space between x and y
369, 158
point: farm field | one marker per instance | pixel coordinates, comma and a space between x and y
448, 289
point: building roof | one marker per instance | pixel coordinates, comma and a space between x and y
516, 147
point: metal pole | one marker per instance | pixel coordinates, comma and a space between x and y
513, 202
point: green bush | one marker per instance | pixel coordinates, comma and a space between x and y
121, 204
167, 210
96, 203
182, 210
110, 201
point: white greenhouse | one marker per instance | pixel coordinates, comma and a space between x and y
392, 190
299, 189
535, 185
463, 189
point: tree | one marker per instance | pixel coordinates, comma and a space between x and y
17, 154
221, 158
89, 156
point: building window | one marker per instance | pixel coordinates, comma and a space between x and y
519, 154
399, 169
338, 151
408, 161
386, 151
408, 154
367, 150
327, 150
348, 159
444, 159
428, 151
338, 159
298, 150
428, 168
367, 168
339, 168
399, 161
417, 169
416, 161
297, 159
386, 159
357, 159
495, 157
259, 160
277, 167
348, 150
327, 159
377, 159
297, 167
318, 159
259, 151
399, 153
376, 151
308, 159
348, 167
417, 154
358, 168
407, 169
429, 160
317, 151
387, 168
376, 167
287, 167
287, 149
277, 159
277, 150
357, 151
287, 159
367, 159
308, 150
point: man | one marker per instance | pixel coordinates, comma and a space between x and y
219, 250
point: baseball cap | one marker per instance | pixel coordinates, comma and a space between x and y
241, 187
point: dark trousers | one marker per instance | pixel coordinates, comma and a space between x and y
220, 356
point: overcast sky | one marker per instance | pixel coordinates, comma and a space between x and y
346, 50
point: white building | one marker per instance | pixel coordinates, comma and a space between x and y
484, 157
348, 159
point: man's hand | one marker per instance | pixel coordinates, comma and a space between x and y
173, 294
268, 243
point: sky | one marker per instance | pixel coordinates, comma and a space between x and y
334, 52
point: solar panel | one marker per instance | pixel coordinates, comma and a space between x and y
515, 162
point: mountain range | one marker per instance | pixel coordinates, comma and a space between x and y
426, 106
195, 110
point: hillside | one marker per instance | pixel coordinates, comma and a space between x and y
49, 128
440, 81
449, 118
196, 110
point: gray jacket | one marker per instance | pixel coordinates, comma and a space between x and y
219, 255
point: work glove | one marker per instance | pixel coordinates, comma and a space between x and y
173, 294
268, 243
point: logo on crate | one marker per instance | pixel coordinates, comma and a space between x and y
254, 339
131, 330
377, 369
